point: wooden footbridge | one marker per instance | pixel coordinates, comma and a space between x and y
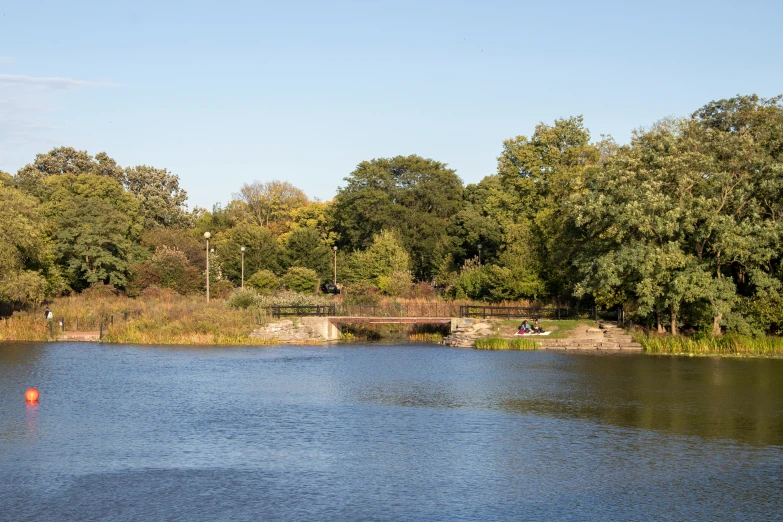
326, 320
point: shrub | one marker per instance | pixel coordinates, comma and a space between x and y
395, 284
422, 291
361, 293
99, 290
222, 289
472, 281
300, 279
289, 298
243, 298
25, 287
264, 282
156, 292
168, 268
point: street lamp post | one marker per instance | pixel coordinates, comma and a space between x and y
479, 249
335, 265
242, 249
207, 235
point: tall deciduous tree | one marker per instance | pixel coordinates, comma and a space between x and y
261, 251
66, 160
304, 247
410, 194
93, 222
384, 256
272, 202
688, 215
161, 200
537, 175
27, 272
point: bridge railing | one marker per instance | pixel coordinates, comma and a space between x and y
389, 309
302, 310
514, 312
433, 309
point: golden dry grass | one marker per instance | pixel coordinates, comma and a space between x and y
168, 319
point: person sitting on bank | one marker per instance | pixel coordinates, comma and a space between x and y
524, 327
537, 327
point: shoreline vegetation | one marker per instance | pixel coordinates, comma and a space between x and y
172, 319
677, 231
727, 345
501, 343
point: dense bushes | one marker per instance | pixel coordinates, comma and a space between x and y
300, 279
264, 281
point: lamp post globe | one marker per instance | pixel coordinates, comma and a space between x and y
242, 250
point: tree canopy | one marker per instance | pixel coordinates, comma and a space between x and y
409, 194
681, 227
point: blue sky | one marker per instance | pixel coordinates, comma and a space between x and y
227, 93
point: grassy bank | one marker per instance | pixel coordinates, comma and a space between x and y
166, 319
560, 329
499, 343
731, 344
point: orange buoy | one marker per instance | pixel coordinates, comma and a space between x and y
31, 395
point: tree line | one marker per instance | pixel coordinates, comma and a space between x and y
681, 227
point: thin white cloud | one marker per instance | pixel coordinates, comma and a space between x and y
48, 83
26, 103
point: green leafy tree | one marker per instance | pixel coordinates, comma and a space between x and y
684, 219
409, 194
93, 222
6, 179
515, 276
161, 200
184, 240
395, 284
480, 222
305, 247
384, 256
272, 203
472, 281
261, 251
537, 175
318, 215
27, 271
66, 160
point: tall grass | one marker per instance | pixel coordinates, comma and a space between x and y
730, 344
499, 343
23, 327
425, 337
167, 319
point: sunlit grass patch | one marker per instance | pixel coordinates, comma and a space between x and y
499, 343
426, 337
730, 344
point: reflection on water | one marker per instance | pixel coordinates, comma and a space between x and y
358, 432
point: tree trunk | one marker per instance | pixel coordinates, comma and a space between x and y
674, 321
661, 329
716, 331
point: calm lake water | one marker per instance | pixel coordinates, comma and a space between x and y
414, 432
